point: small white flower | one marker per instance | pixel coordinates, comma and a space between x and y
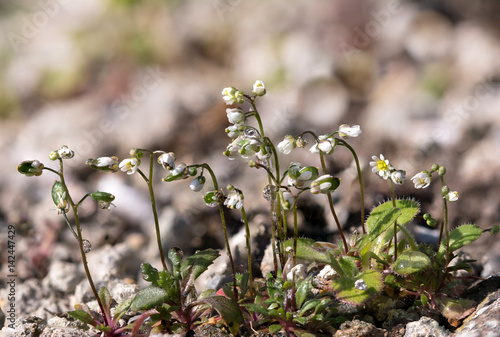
346, 131
231, 95
108, 164
235, 130
287, 145
129, 165
259, 89
235, 115
421, 179
398, 177
287, 200
167, 160
65, 153
360, 285
381, 166
234, 200
325, 144
452, 196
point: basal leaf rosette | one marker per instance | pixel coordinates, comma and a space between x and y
359, 289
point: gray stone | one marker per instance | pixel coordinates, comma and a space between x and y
426, 327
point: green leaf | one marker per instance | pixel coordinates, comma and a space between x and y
105, 298
170, 284
301, 292
82, 316
411, 262
346, 291
309, 250
228, 310
148, 298
150, 274
311, 304
196, 264
382, 216
175, 255
122, 308
348, 265
459, 237
273, 328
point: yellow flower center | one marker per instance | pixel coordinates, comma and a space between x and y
382, 165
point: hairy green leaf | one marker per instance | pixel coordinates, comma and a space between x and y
228, 310
193, 266
347, 292
150, 274
148, 298
411, 262
82, 316
459, 237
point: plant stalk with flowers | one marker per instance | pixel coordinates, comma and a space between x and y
385, 256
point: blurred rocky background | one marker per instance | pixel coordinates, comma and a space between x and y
421, 78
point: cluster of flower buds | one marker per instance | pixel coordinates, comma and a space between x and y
63, 153
325, 143
247, 142
423, 179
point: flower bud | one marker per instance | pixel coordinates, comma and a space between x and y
197, 184
426, 216
346, 131
445, 190
180, 172
65, 153
431, 222
60, 197
442, 171
398, 177
54, 155
434, 167
494, 229
235, 115
325, 184
103, 199
136, 153
167, 160
301, 142
287, 144
259, 89
30, 168
192, 171
106, 164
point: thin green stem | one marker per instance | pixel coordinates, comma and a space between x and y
248, 241
80, 243
332, 209
149, 182
360, 179
224, 228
